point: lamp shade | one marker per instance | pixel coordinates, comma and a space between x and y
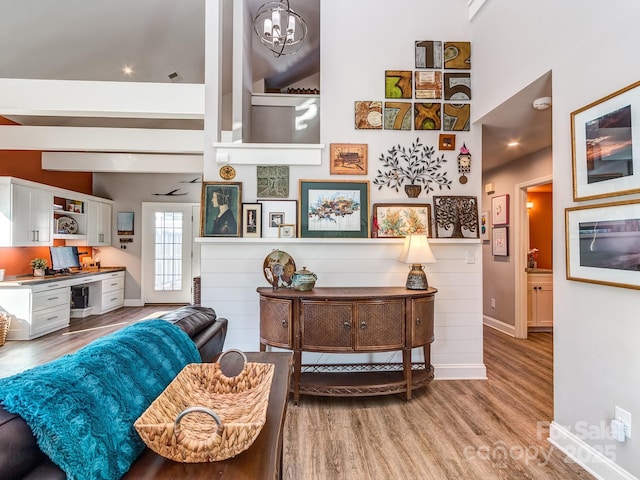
416, 249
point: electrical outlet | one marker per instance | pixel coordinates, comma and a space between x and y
493, 303
625, 418
471, 256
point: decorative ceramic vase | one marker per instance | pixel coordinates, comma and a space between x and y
412, 190
38, 272
304, 280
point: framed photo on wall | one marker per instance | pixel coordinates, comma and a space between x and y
276, 213
500, 243
252, 220
334, 209
220, 209
603, 243
500, 210
606, 160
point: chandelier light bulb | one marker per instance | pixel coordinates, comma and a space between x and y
267, 27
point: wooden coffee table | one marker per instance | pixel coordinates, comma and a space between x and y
263, 460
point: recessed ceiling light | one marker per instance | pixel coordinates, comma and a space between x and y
127, 70
513, 144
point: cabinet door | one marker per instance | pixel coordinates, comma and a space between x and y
276, 322
326, 326
379, 325
31, 216
544, 305
421, 321
98, 223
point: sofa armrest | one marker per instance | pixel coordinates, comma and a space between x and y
210, 341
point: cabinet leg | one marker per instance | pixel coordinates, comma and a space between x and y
297, 374
406, 365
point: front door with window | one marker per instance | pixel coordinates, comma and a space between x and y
167, 246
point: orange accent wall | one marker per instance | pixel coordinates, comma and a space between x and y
541, 227
28, 166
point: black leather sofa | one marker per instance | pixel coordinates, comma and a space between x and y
20, 456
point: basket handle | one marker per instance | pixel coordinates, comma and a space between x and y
189, 410
233, 350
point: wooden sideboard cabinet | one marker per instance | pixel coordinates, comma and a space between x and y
351, 320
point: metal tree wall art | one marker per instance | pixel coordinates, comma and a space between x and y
456, 217
414, 165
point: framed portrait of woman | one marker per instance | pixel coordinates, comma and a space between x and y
221, 209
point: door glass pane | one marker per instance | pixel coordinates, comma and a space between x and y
168, 251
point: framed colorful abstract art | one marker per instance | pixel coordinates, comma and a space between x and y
334, 209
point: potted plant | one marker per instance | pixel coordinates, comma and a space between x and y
414, 165
39, 265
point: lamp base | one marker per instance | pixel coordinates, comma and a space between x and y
417, 279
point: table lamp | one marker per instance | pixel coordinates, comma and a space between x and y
416, 251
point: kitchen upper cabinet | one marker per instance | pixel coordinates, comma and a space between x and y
98, 223
26, 219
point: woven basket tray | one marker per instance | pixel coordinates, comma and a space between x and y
205, 416
5, 323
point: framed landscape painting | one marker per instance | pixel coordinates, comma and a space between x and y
606, 160
334, 209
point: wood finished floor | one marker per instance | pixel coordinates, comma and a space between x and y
464, 429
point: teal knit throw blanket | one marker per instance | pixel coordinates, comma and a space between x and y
81, 407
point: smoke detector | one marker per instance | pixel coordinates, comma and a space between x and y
542, 103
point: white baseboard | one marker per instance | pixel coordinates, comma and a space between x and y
475, 371
498, 325
133, 302
595, 462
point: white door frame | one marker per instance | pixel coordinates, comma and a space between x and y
147, 255
521, 242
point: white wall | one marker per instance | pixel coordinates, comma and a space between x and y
591, 51
358, 45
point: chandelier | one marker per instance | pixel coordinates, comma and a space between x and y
279, 28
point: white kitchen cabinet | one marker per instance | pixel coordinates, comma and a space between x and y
26, 216
540, 300
98, 223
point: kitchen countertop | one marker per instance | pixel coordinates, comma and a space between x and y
22, 280
538, 270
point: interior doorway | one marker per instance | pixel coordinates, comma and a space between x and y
522, 247
167, 252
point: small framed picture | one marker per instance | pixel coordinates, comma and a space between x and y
500, 244
252, 220
276, 213
348, 159
447, 141
286, 230
500, 210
